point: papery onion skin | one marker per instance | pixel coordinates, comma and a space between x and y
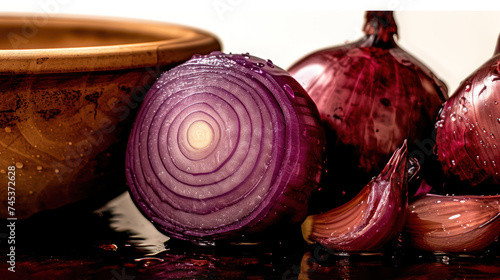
371, 95
224, 145
468, 131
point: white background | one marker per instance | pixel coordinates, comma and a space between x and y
453, 38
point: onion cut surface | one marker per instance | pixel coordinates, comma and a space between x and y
224, 144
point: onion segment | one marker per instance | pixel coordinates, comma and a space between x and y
453, 224
370, 220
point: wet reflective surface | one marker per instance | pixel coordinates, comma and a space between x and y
117, 243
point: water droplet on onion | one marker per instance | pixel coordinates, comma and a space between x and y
270, 63
453, 116
19, 165
288, 89
148, 261
462, 100
8, 129
338, 113
467, 86
406, 62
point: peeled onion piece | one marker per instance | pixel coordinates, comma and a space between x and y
371, 219
453, 224
468, 130
371, 95
223, 145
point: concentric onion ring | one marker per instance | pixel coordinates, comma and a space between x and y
223, 143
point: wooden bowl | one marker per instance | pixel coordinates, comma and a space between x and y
69, 88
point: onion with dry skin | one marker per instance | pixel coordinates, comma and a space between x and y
468, 131
372, 95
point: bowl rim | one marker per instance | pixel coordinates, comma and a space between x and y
180, 43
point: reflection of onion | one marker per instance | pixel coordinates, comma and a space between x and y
222, 143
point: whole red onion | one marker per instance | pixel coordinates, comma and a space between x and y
372, 95
468, 131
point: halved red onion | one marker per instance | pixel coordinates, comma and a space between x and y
224, 144
468, 130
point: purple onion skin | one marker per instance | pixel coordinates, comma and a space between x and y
256, 170
371, 95
468, 131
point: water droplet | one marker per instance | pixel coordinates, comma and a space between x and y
465, 110
109, 247
453, 116
496, 102
56, 170
485, 163
288, 89
492, 136
484, 130
19, 165
270, 63
406, 62
70, 143
246, 55
8, 129
2, 171
148, 261
453, 162
260, 64
386, 102
467, 86
462, 100
338, 113
39, 168
498, 120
